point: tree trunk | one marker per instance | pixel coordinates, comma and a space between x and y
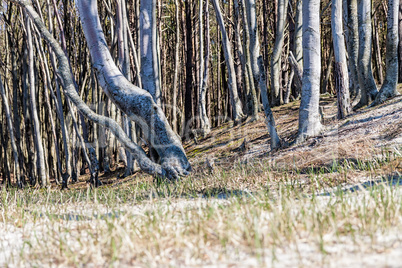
341, 69
148, 49
277, 52
368, 88
251, 54
176, 69
309, 118
204, 120
400, 41
352, 34
43, 177
269, 117
388, 88
10, 127
232, 84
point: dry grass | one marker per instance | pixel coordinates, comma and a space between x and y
285, 208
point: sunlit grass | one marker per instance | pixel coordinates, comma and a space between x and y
249, 214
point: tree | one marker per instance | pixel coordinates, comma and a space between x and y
309, 118
205, 126
150, 76
235, 101
368, 88
388, 88
352, 37
341, 70
135, 102
276, 59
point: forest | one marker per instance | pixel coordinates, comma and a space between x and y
118, 106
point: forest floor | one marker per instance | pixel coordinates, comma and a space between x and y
333, 200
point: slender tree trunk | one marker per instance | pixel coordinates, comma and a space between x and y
10, 127
352, 34
341, 69
400, 41
367, 84
276, 57
388, 88
205, 125
43, 177
309, 118
269, 117
148, 49
232, 84
176, 69
251, 53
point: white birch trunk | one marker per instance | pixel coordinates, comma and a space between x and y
309, 118
341, 69
388, 88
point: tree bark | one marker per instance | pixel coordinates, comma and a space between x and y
388, 88
309, 118
352, 34
205, 125
341, 69
148, 49
368, 88
277, 52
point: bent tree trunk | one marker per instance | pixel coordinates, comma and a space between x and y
388, 88
136, 102
341, 69
367, 84
309, 119
236, 103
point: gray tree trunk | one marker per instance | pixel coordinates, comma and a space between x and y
298, 34
309, 118
269, 117
148, 49
276, 57
176, 68
11, 131
341, 69
43, 176
205, 126
235, 101
252, 54
368, 88
388, 88
352, 37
